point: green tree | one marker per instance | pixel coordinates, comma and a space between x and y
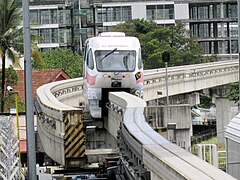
233, 93
156, 39
10, 19
12, 80
136, 27
11, 38
206, 102
61, 58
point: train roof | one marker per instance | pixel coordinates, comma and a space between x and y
111, 40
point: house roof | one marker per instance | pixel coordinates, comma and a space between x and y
39, 78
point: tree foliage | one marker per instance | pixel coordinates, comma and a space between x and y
206, 102
155, 40
11, 38
11, 80
61, 58
10, 19
233, 93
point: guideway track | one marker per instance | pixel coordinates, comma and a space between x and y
150, 150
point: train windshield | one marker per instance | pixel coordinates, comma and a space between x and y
115, 60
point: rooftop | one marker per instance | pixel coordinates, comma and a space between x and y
39, 78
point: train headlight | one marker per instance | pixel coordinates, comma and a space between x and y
126, 76
105, 76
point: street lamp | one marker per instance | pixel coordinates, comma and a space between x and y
10, 92
166, 59
159, 93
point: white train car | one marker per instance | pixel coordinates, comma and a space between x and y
112, 62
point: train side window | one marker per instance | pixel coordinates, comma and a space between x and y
90, 63
86, 47
140, 63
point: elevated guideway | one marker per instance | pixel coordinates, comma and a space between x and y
60, 119
190, 78
145, 153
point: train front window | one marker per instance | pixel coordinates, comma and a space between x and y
115, 60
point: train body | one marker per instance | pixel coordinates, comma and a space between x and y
112, 62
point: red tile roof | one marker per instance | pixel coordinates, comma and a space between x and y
39, 78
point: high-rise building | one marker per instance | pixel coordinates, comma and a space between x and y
68, 23
56, 22
213, 23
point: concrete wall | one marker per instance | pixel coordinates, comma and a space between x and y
181, 11
179, 114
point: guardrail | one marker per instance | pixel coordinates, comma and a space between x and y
145, 153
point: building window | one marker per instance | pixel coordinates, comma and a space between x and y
69, 35
230, 10
151, 12
234, 45
53, 14
222, 30
61, 36
207, 11
116, 14
126, 13
45, 34
160, 12
113, 14
33, 16
222, 47
205, 47
44, 15
60, 17
204, 30
54, 35
194, 13
194, 29
203, 12
67, 17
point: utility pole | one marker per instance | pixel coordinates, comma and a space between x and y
239, 54
31, 150
72, 28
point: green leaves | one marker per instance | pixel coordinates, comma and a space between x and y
11, 36
11, 80
60, 58
10, 21
233, 94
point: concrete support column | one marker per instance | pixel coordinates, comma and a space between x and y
225, 111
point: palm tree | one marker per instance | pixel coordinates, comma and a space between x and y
11, 38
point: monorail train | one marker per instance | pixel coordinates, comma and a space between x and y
112, 62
